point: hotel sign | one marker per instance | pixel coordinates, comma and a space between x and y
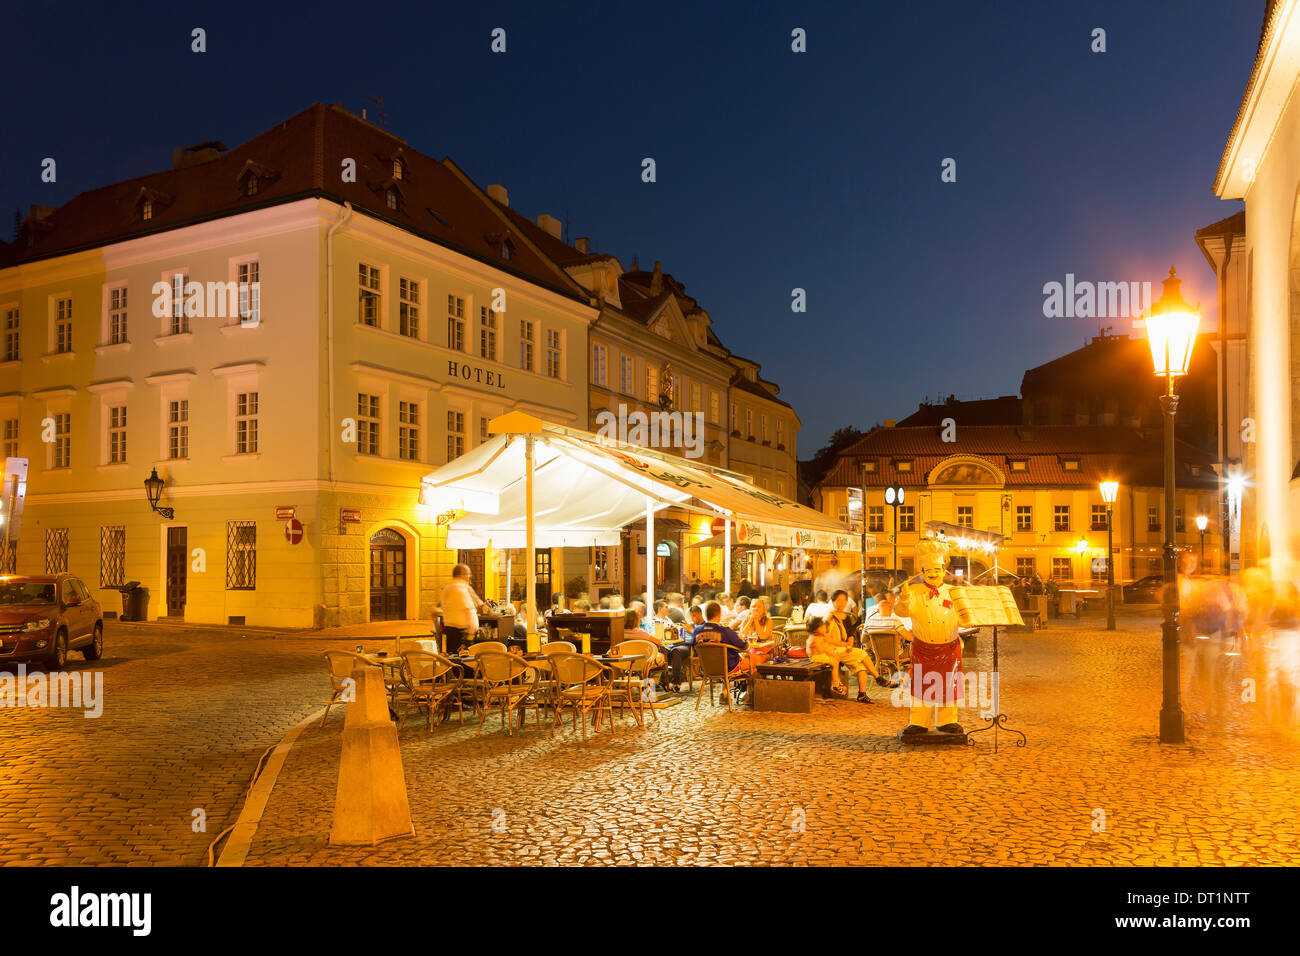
349, 515
474, 373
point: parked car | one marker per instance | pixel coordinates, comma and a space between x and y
43, 616
1144, 590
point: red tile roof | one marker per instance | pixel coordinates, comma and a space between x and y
300, 158
1131, 456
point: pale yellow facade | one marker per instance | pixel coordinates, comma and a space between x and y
320, 448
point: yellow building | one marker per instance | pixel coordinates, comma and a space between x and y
1260, 165
653, 352
372, 310
1036, 485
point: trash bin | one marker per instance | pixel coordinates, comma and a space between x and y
135, 601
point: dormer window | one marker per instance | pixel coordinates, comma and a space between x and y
903, 464
869, 465
397, 169
252, 184
391, 198
146, 210
507, 249
1019, 464
1070, 464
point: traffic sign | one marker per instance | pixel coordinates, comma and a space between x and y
293, 531
718, 525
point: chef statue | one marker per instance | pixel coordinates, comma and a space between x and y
936, 647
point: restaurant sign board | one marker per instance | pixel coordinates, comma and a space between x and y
285, 512
350, 515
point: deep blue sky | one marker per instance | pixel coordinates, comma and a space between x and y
775, 170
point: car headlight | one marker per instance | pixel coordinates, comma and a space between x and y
40, 625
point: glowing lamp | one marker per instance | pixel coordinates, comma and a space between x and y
1171, 330
1109, 491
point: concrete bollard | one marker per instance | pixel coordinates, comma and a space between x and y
371, 803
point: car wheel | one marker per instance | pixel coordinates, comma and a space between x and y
58, 656
95, 649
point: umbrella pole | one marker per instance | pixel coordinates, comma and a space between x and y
649, 556
726, 556
530, 594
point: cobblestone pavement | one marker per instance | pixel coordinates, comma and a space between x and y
835, 787
187, 713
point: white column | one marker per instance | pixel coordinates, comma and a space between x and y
649, 555
726, 554
530, 593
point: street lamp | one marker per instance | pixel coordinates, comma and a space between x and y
1171, 333
894, 498
1109, 492
153, 488
1201, 522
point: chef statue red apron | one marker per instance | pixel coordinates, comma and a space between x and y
936, 682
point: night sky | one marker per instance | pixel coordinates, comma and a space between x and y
776, 170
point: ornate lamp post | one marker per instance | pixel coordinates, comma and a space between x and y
153, 489
1171, 333
894, 498
1109, 492
1201, 522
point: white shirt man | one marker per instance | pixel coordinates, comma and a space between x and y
881, 615
460, 607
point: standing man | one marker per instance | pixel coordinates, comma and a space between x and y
460, 607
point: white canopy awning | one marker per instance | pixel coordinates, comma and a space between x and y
587, 489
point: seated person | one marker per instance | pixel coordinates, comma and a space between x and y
820, 607
841, 625
739, 614
783, 607
636, 629
757, 626
882, 615
739, 660
679, 650
826, 649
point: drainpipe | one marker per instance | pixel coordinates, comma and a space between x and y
344, 217
1224, 556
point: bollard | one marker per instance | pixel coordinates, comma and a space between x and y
371, 803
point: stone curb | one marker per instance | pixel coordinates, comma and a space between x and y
235, 852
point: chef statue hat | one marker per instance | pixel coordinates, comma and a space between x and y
929, 550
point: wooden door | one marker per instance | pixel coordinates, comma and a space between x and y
387, 576
177, 566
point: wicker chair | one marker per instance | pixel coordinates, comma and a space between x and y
341, 665
584, 685
508, 680
431, 680
714, 669
629, 676
496, 647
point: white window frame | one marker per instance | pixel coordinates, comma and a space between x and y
626, 374
55, 322
251, 298
370, 421
372, 286
457, 307
410, 428
111, 311
528, 345
555, 350
457, 439
489, 333
599, 364
176, 323
14, 311
410, 307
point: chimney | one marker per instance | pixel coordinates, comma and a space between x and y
581, 244
37, 213
499, 194
657, 280
550, 224
185, 156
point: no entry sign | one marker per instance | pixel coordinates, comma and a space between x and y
718, 525
293, 531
